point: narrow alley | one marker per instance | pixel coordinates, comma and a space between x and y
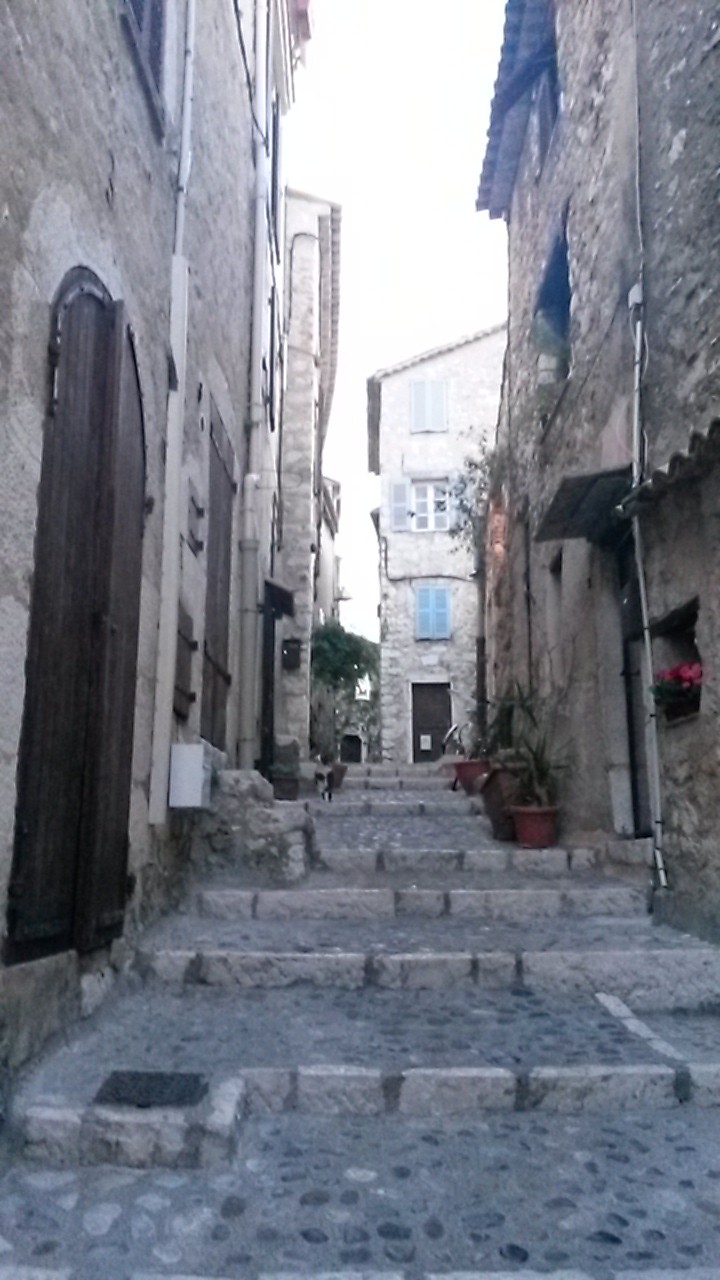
433, 1053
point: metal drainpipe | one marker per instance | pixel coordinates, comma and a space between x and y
651, 738
249, 541
170, 571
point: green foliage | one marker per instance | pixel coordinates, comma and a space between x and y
341, 658
469, 497
518, 732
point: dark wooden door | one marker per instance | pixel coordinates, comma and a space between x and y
431, 719
216, 674
633, 667
67, 885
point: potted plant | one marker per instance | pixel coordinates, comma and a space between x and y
286, 781
535, 809
500, 787
677, 690
474, 762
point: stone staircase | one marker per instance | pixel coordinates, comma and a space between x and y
420, 970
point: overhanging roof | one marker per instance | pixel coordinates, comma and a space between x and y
693, 463
528, 48
584, 506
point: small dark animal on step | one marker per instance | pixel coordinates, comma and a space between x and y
324, 777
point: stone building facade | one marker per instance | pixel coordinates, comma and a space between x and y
601, 157
309, 508
426, 417
141, 268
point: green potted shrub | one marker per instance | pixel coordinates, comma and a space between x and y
535, 810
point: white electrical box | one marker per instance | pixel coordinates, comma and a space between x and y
190, 776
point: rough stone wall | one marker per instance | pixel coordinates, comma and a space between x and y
85, 180
473, 373
590, 177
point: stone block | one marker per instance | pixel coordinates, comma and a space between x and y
420, 902
417, 860
268, 1090
281, 969
448, 1091
492, 861
539, 862
349, 861
226, 904
341, 1090
167, 964
326, 904
705, 1077
50, 1133
600, 1088
612, 901
430, 972
513, 905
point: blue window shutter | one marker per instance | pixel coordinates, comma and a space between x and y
441, 613
400, 506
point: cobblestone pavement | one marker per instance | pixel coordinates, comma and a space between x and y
600, 1185
309, 1195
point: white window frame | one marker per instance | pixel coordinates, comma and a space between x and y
430, 500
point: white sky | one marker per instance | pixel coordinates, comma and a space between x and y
390, 121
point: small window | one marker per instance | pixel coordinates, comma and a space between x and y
431, 506
432, 613
551, 326
428, 405
144, 23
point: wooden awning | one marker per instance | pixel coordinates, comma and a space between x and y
585, 506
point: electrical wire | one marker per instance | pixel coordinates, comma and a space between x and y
248, 78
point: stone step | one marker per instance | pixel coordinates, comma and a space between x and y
650, 967
362, 1053
511, 905
485, 859
381, 804
429, 783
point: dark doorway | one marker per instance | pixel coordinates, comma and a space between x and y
351, 749
216, 651
68, 881
278, 603
431, 719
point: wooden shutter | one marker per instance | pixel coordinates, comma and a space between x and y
441, 613
400, 506
216, 675
102, 871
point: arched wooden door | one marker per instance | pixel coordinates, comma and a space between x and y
68, 883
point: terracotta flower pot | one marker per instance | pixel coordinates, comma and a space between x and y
339, 771
535, 825
468, 771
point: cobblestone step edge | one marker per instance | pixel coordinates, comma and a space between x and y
12, 1272
648, 979
456, 803
540, 862
509, 905
182, 1138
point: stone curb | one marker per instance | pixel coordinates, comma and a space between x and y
648, 979
692, 1273
509, 905
341, 808
491, 860
91, 1135
156, 1137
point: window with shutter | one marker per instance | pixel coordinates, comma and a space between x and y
144, 24
428, 405
431, 506
432, 613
